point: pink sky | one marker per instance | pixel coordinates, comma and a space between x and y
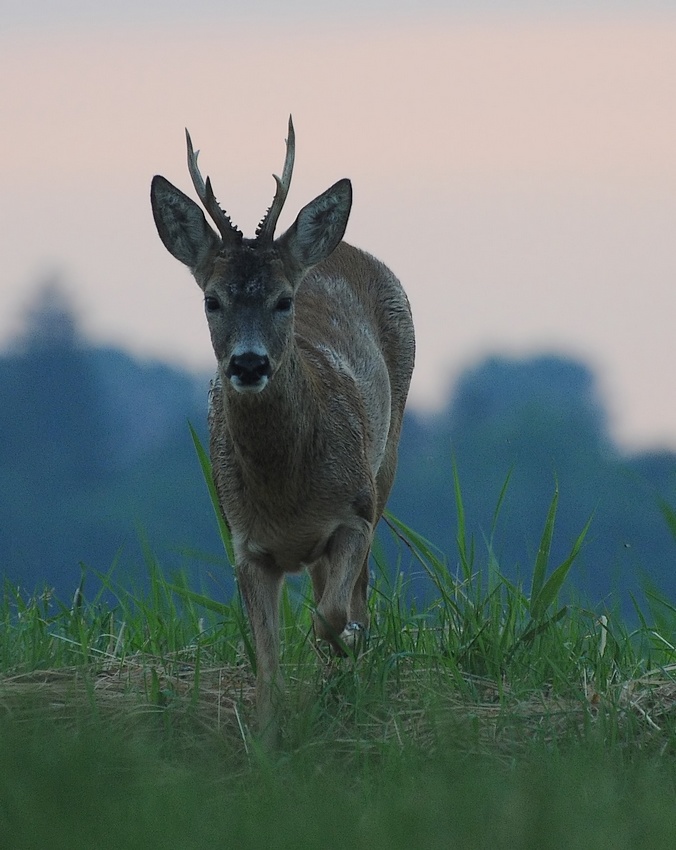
519, 177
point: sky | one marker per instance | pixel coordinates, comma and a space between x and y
514, 164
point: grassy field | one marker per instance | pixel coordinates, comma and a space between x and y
495, 717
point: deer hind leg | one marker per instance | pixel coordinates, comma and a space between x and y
359, 612
340, 580
261, 582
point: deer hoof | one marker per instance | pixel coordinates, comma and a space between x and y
353, 636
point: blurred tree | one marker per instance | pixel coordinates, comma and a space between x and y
541, 422
53, 428
94, 447
50, 321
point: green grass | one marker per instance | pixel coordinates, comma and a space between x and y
496, 716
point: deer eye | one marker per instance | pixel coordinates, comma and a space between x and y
212, 304
284, 305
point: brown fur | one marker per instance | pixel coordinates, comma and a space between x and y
303, 466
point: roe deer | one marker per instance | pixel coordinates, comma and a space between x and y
315, 347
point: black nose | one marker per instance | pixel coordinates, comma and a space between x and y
249, 368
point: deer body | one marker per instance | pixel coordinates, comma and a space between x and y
315, 346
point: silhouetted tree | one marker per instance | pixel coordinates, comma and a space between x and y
541, 422
52, 425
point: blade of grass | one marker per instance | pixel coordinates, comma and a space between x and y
461, 538
221, 608
550, 588
205, 465
669, 515
544, 550
498, 507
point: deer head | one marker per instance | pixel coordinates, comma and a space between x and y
249, 285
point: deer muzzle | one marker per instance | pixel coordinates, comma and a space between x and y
249, 372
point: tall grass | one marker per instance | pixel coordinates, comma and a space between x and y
500, 714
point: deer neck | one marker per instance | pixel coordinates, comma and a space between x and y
272, 430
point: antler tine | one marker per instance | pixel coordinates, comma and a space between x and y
266, 229
229, 233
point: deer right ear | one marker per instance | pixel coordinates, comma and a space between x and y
181, 225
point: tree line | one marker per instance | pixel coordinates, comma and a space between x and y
98, 468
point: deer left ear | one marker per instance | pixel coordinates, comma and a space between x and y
319, 227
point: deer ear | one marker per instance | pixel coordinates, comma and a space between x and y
181, 225
319, 227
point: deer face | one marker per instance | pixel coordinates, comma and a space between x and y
248, 300
249, 285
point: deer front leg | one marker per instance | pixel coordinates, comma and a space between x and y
339, 580
260, 582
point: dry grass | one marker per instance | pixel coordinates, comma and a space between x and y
421, 704
216, 699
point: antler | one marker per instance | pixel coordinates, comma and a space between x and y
229, 233
266, 229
